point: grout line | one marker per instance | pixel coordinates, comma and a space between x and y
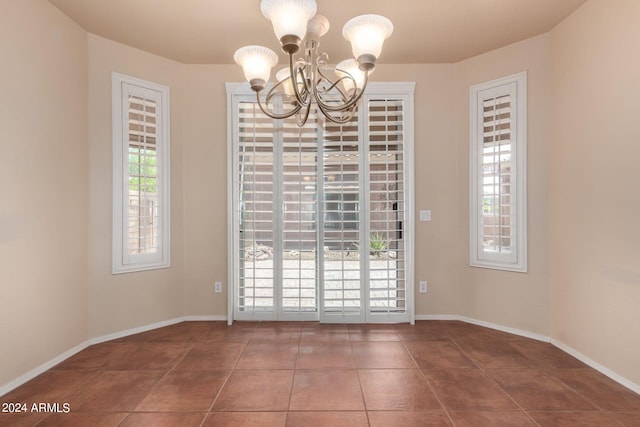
424, 378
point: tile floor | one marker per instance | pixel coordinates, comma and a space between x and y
436, 373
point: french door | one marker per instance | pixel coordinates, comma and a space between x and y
321, 216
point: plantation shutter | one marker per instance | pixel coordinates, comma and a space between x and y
299, 215
497, 219
143, 221
341, 221
255, 290
387, 209
141, 212
320, 213
498, 163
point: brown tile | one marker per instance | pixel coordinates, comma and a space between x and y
242, 419
27, 419
408, 419
459, 329
116, 391
325, 356
164, 419
382, 355
184, 391
599, 389
628, 419
243, 325
493, 353
185, 332
373, 335
468, 389
269, 356
211, 356
414, 335
147, 336
75, 419
326, 390
546, 356
143, 356
276, 335
570, 419
230, 334
491, 419
536, 390
325, 419
423, 330
279, 325
256, 390
51, 386
438, 354
96, 356
396, 389
324, 335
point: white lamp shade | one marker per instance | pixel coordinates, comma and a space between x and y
289, 17
287, 85
256, 61
351, 66
367, 33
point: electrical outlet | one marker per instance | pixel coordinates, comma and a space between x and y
425, 215
423, 286
218, 287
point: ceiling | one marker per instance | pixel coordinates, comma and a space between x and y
426, 31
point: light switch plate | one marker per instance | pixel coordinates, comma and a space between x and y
425, 215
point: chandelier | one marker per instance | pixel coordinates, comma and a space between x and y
335, 90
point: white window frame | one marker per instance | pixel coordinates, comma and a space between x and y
122, 261
516, 85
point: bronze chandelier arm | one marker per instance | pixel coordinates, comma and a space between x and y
352, 100
293, 69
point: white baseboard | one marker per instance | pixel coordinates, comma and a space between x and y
6, 388
133, 331
598, 367
490, 325
581, 357
437, 317
208, 318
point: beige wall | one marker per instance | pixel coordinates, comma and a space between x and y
595, 184
125, 301
205, 186
516, 300
43, 186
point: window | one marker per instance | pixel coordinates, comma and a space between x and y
320, 217
141, 224
498, 174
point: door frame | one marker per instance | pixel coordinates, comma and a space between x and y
405, 92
